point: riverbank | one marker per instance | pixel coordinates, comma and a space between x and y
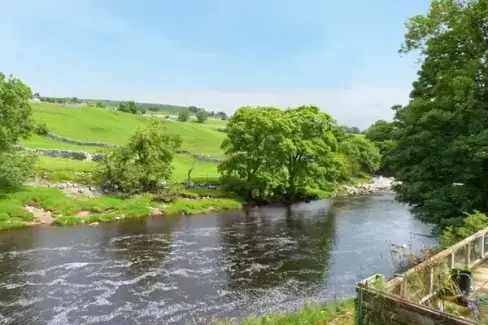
338, 314
71, 203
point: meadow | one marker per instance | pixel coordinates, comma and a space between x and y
105, 125
94, 124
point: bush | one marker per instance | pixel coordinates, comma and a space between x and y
15, 169
202, 116
143, 164
184, 116
41, 129
472, 223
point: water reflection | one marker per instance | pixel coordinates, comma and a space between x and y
188, 270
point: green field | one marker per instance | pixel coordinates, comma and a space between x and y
60, 169
104, 125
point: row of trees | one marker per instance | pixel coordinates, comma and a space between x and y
131, 107
274, 154
201, 115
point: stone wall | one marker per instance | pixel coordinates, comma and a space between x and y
200, 156
78, 143
68, 154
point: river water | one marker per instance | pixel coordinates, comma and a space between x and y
195, 269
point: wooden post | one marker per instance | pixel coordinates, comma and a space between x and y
482, 248
468, 255
431, 289
453, 260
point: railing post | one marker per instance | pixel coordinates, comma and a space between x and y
482, 248
468, 255
431, 289
453, 261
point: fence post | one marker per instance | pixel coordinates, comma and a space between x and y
482, 248
468, 255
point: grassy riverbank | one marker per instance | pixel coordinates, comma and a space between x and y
62, 208
68, 210
337, 314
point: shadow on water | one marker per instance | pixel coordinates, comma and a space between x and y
187, 270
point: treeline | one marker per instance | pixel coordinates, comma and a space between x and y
437, 145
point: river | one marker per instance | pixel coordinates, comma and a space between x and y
193, 269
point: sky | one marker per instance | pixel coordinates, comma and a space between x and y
218, 54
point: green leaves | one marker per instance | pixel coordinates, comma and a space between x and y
276, 154
440, 135
15, 111
142, 163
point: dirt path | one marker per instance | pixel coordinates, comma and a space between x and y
41, 215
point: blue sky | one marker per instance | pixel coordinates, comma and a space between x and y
219, 54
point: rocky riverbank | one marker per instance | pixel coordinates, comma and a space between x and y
375, 185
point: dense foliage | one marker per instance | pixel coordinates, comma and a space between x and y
202, 116
143, 164
277, 154
362, 155
15, 123
184, 115
130, 107
381, 133
15, 111
442, 136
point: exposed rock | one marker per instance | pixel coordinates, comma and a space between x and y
43, 216
83, 214
71, 189
155, 212
376, 184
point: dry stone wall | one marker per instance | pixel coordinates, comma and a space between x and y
81, 155
78, 143
67, 154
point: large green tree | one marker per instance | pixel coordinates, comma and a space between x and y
15, 123
306, 148
442, 136
276, 154
252, 137
15, 111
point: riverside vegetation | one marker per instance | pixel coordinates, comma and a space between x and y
146, 161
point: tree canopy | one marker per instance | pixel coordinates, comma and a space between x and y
15, 111
442, 134
143, 162
278, 154
184, 115
202, 116
15, 123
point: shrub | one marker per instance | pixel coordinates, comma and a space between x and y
472, 223
184, 116
202, 116
41, 129
15, 169
143, 164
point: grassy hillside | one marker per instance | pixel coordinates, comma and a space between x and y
60, 169
104, 125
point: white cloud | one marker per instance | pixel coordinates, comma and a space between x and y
359, 106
